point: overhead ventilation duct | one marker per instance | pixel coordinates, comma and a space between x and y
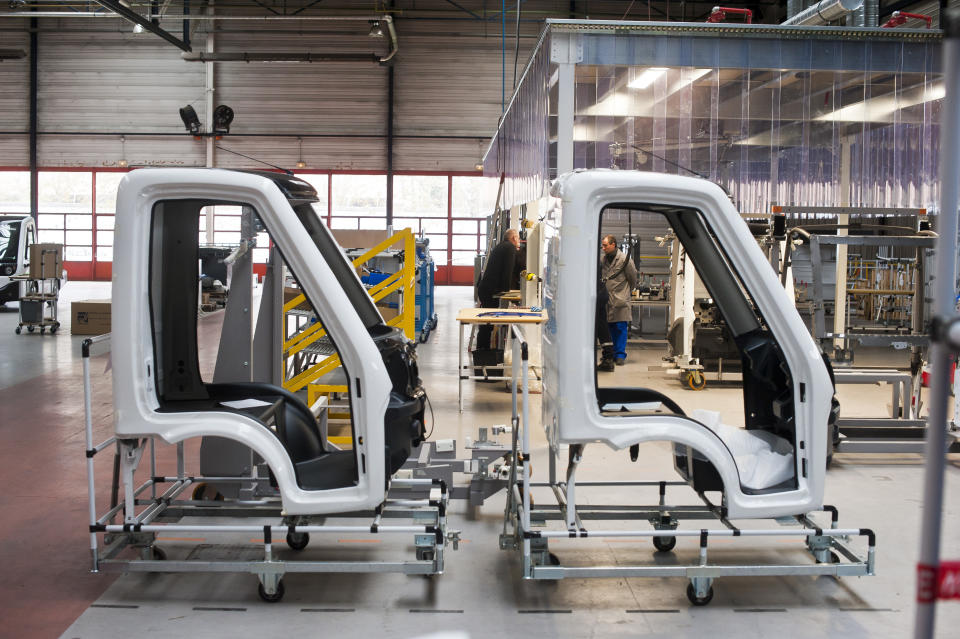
824, 12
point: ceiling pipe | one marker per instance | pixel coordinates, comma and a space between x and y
823, 12
286, 56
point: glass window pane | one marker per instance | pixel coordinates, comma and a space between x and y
53, 237
411, 223
107, 191
263, 240
437, 242
466, 242
203, 222
465, 226
261, 255
104, 253
79, 238
105, 222
227, 210
420, 195
104, 238
222, 223
78, 253
50, 221
434, 226
226, 237
343, 223
319, 182
474, 196
464, 258
79, 222
377, 223
66, 191
14, 191
359, 195
439, 257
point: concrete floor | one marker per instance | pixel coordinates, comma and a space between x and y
48, 591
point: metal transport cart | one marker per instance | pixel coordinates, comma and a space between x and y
203, 533
529, 528
38, 304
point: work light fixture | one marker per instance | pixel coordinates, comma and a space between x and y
300, 163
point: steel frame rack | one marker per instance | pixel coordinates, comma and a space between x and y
139, 514
525, 526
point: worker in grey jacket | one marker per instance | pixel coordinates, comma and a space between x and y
620, 277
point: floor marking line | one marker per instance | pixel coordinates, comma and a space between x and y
218, 609
99, 605
328, 610
435, 610
358, 541
653, 610
868, 609
181, 538
544, 612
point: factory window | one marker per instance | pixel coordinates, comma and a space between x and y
359, 201
14, 192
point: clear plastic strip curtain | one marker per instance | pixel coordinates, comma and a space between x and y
802, 118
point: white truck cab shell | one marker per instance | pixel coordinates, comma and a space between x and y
571, 413
137, 405
17, 233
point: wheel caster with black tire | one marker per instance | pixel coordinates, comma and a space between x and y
42, 330
18, 330
53, 329
298, 541
664, 544
699, 601
553, 559
158, 553
271, 598
29, 329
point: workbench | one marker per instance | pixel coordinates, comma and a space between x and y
497, 316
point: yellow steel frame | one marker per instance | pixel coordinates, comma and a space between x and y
403, 281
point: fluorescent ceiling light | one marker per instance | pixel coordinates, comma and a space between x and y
647, 77
880, 109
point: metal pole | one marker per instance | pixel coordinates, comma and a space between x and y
944, 310
390, 146
34, 88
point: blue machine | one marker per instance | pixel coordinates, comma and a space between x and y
426, 317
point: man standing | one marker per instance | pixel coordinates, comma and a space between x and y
620, 276
497, 277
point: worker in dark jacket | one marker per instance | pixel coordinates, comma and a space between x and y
497, 277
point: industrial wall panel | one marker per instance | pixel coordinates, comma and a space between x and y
120, 81
106, 151
323, 97
341, 154
14, 81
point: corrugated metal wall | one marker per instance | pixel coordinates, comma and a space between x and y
14, 97
98, 80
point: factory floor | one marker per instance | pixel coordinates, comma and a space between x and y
48, 591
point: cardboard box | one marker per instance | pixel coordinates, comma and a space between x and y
388, 312
90, 317
46, 260
366, 239
290, 293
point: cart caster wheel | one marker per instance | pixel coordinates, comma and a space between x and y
834, 559
29, 329
158, 553
53, 329
275, 597
664, 544
17, 330
699, 601
199, 493
696, 380
552, 559
42, 330
298, 541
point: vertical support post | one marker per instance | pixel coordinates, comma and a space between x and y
390, 147
88, 433
208, 110
840, 294
409, 295
565, 99
186, 23
944, 309
34, 89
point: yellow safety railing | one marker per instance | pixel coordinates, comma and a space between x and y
403, 281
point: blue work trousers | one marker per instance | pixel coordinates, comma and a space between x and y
618, 331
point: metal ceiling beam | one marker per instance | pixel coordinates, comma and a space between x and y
146, 23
